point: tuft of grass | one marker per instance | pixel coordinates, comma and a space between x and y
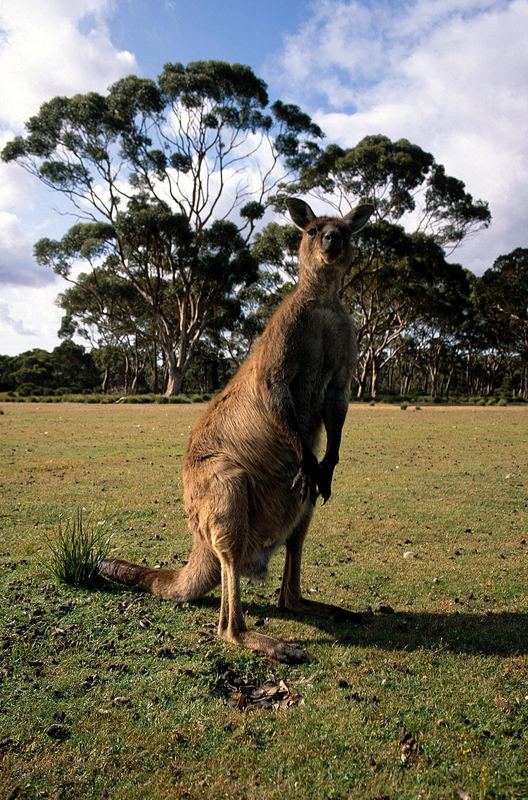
76, 552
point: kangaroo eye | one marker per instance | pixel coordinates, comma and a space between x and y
312, 232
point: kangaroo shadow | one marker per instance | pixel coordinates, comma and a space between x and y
504, 633
490, 634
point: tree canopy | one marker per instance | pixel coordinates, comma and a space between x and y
168, 179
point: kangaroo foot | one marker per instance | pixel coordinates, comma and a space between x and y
286, 652
301, 606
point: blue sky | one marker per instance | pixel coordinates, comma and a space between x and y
450, 75
247, 32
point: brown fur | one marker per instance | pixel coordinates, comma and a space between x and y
250, 474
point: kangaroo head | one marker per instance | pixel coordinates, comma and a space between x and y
325, 251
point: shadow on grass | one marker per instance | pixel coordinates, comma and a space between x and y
504, 633
495, 634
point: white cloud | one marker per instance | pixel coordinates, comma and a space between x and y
29, 318
17, 267
450, 75
57, 47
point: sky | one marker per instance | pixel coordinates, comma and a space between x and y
449, 75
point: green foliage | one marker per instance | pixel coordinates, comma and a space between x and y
182, 264
76, 552
38, 372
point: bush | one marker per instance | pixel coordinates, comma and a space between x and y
404, 406
76, 552
27, 389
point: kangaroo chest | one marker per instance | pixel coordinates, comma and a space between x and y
327, 355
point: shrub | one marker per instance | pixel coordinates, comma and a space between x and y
77, 551
27, 389
404, 406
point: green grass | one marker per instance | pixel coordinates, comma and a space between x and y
76, 550
135, 684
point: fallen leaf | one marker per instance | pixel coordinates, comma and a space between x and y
122, 701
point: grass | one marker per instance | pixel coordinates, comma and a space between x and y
75, 552
111, 693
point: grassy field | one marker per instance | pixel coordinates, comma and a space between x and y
110, 693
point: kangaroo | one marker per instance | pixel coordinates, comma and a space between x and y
251, 477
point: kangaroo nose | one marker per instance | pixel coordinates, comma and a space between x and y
330, 239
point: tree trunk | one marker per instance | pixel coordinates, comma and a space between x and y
362, 377
175, 376
104, 384
374, 376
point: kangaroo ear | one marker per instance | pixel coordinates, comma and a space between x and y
300, 212
358, 217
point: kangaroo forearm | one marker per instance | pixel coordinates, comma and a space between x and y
333, 419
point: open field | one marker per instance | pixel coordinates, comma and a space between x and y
428, 702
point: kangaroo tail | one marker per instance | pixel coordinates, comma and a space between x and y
200, 575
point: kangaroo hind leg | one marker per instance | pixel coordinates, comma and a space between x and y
290, 597
228, 525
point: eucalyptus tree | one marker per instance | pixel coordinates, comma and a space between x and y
501, 296
108, 312
168, 180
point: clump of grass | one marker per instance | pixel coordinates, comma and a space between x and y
404, 406
76, 552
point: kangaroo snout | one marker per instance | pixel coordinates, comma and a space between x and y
332, 242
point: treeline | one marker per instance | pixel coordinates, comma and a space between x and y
458, 337
171, 181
